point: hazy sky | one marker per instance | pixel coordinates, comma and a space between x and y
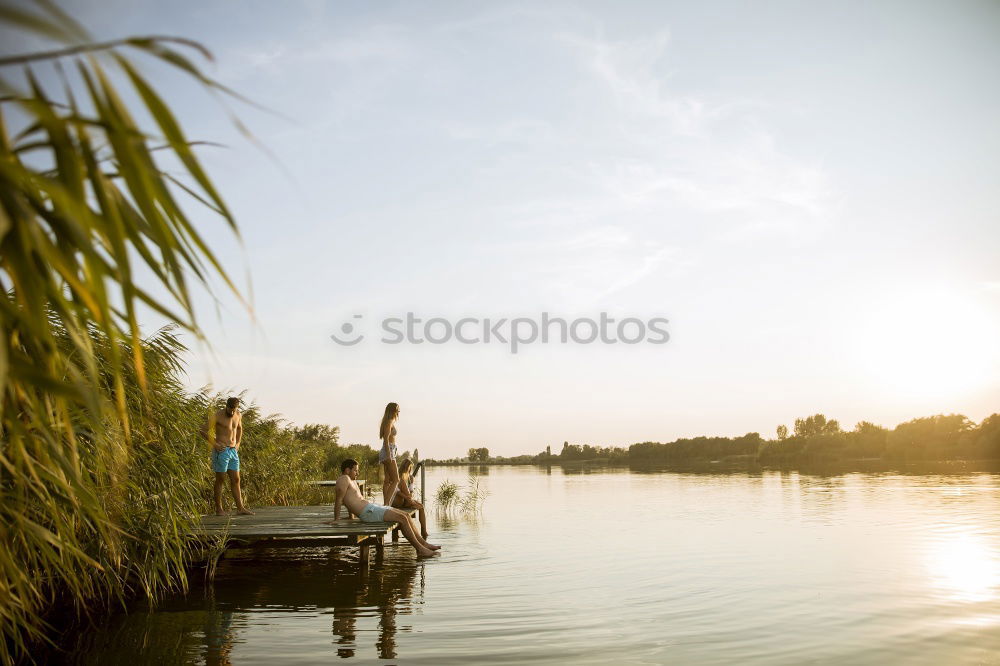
807, 191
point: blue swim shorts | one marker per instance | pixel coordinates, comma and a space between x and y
225, 460
373, 513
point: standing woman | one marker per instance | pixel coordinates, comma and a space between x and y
387, 455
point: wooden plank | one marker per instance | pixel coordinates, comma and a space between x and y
294, 543
287, 527
290, 525
296, 527
289, 521
299, 527
291, 535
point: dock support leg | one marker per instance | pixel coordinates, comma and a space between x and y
395, 535
364, 549
379, 549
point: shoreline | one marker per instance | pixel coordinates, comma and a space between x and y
740, 464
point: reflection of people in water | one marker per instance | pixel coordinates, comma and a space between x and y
388, 588
403, 499
345, 626
219, 637
388, 597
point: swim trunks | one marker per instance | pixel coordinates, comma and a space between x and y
373, 513
387, 454
225, 460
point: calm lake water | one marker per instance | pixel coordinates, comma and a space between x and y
617, 566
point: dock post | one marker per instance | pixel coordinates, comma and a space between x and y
423, 495
363, 553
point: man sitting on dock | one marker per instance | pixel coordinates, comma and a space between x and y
349, 495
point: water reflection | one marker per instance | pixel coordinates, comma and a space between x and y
219, 636
751, 567
962, 564
213, 620
453, 520
387, 589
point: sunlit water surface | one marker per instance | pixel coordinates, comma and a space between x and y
618, 566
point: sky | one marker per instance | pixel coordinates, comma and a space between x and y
807, 192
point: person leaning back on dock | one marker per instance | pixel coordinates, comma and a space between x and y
224, 431
349, 495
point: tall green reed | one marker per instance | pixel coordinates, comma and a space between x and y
84, 208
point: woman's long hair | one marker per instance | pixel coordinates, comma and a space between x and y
385, 429
404, 467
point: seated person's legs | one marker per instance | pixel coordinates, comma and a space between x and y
375, 513
409, 529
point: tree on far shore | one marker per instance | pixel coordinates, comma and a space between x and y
481, 454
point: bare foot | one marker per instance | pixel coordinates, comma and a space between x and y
425, 552
423, 536
246, 512
433, 547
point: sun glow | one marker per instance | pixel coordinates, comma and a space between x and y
935, 345
966, 567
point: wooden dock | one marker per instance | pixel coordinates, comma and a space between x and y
298, 527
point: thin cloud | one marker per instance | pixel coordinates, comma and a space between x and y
628, 68
690, 149
385, 43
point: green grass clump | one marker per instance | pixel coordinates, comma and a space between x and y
446, 496
473, 497
468, 499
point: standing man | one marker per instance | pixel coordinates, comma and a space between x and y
227, 425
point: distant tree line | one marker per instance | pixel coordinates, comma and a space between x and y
813, 439
940, 437
696, 448
587, 452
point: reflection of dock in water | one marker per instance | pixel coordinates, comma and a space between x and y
365, 611
366, 602
387, 590
297, 527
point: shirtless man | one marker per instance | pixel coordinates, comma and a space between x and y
228, 426
349, 495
